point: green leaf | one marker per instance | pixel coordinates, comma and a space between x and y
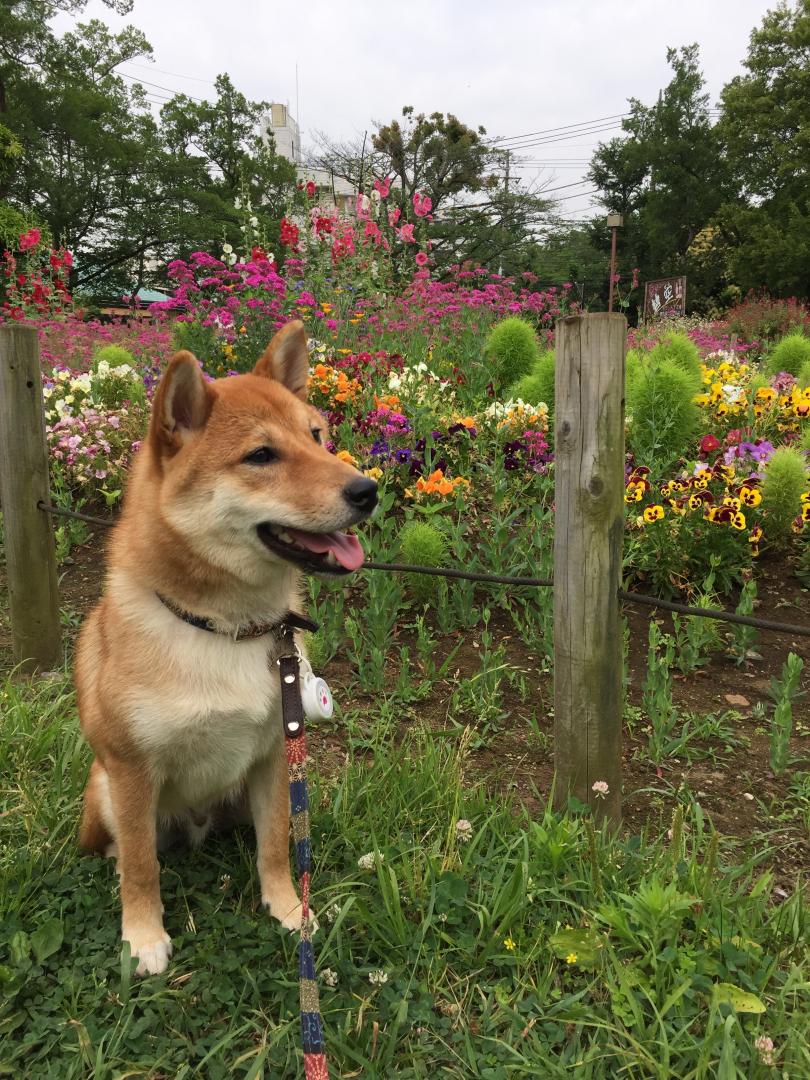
584, 944
47, 939
740, 1000
20, 947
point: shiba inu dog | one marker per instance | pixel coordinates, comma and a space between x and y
231, 497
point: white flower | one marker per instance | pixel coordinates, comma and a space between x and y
378, 977
237, 202
254, 221
226, 249
765, 1046
367, 862
329, 977
732, 393
600, 788
463, 830
332, 912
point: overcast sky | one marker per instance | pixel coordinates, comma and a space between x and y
514, 67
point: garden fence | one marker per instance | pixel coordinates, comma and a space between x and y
588, 537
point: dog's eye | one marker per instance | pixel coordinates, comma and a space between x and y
316, 434
262, 456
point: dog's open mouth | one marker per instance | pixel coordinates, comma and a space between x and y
318, 552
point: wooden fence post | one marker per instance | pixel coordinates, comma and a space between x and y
30, 551
588, 533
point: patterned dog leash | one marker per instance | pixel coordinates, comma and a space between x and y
316, 1066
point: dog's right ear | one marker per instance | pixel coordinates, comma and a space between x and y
182, 403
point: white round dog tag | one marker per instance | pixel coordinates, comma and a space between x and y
316, 697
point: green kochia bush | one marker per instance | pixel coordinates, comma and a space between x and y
804, 375
538, 386
664, 415
422, 543
512, 349
114, 355
681, 351
790, 355
782, 485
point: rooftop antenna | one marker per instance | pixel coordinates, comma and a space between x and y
297, 105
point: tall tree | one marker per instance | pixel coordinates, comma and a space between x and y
667, 174
475, 214
765, 128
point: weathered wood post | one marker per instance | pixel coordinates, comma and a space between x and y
588, 532
30, 551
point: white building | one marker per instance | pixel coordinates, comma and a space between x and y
333, 191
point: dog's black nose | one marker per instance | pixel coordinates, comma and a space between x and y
361, 494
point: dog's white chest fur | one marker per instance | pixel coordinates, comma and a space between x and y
211, 711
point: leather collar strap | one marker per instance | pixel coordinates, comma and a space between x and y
249, 631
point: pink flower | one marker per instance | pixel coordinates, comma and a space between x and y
421, 258
406, 234
383, 187
422, 204
635, 277
394, 215
30, 239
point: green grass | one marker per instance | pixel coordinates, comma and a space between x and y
472, 936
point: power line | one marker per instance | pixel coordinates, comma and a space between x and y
145, 82
174, 74
500, 139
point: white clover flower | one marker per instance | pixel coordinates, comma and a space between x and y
600, 788
332, 912
367, 862
329, 977
765, 1048
464, 830
378, 977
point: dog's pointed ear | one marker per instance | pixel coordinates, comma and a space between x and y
286, 359
182, 403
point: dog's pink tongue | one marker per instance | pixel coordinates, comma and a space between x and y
345, 546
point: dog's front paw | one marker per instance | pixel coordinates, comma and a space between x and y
152, 949
289, 914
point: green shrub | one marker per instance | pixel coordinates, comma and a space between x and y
790, 355
634, 361
804, 375
663, 414
804, 441
200, 340
783, 482
681, 351
538, 386
512, 349
422, 543
114, 355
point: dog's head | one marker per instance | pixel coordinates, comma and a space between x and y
244, 474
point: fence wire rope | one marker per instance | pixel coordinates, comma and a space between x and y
505, 579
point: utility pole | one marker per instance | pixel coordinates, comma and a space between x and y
615, 221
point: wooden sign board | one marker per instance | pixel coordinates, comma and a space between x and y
665, 299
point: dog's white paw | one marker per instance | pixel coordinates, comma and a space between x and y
152, 950
289, 916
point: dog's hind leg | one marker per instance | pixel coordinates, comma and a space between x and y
268, 794
95, 829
